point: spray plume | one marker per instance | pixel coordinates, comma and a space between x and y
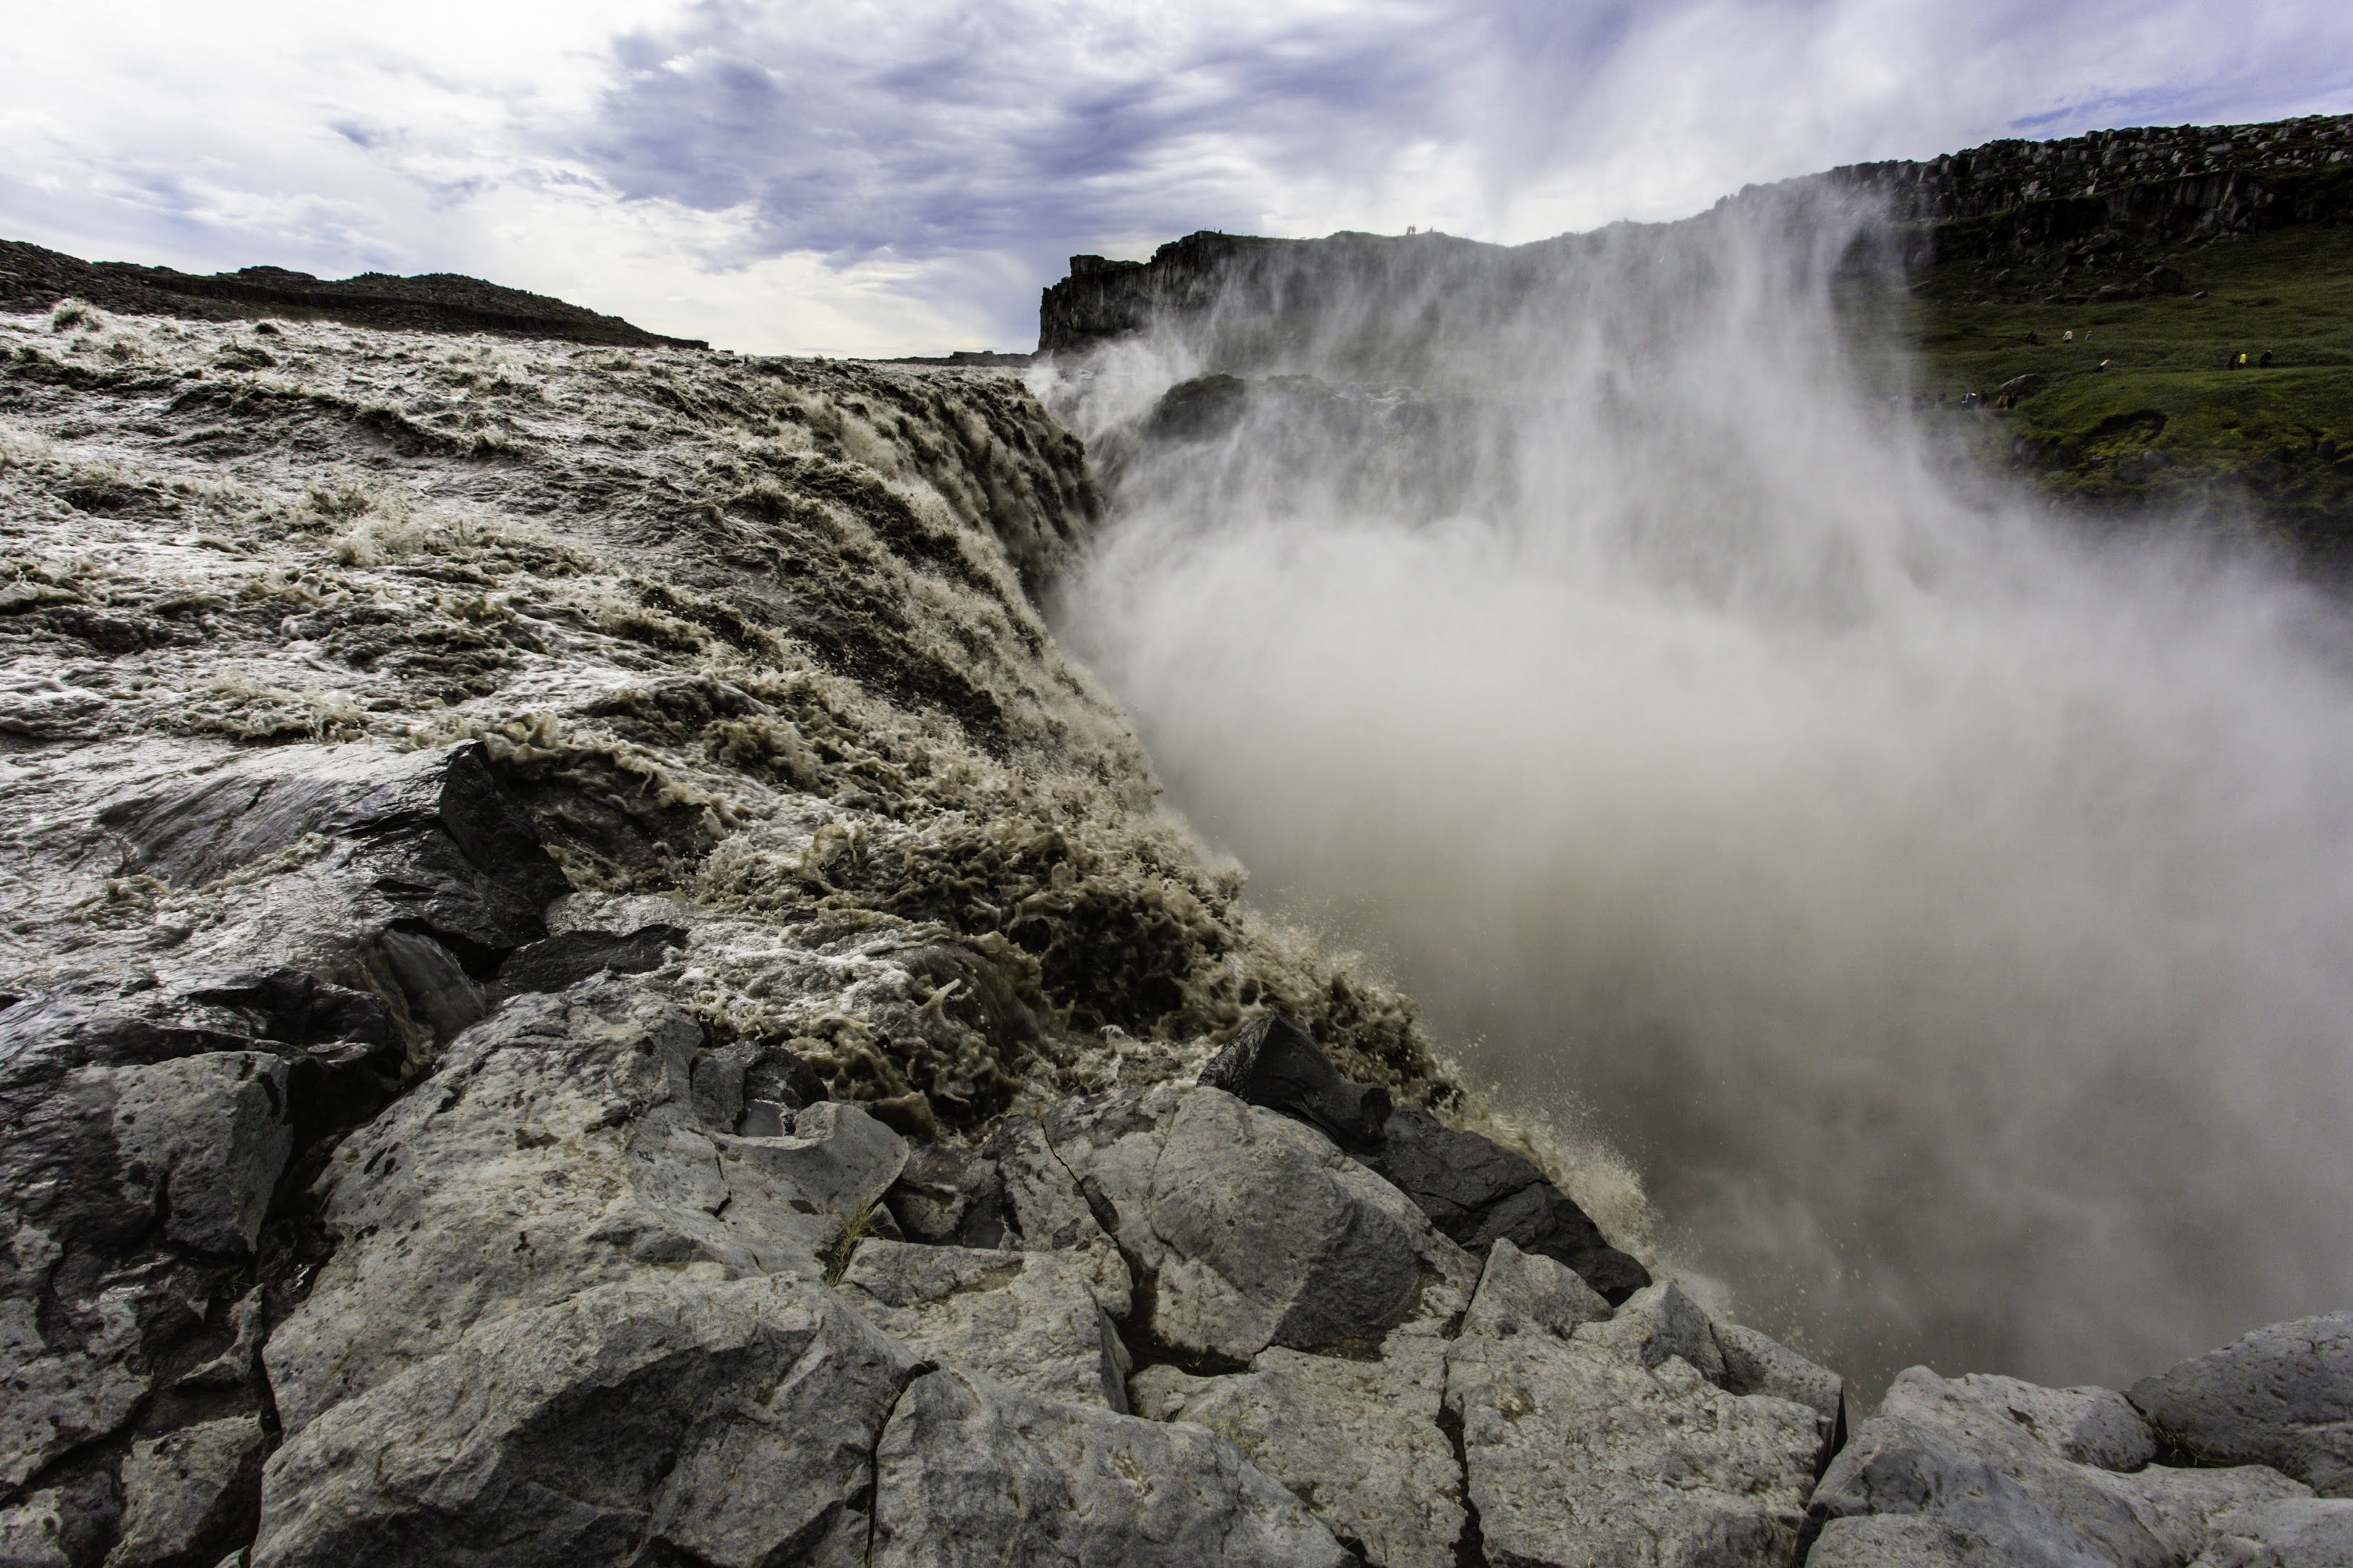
1949, 908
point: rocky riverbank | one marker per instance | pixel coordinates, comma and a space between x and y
584, 983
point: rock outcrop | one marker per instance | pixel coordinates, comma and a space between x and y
1251, 300
585, 984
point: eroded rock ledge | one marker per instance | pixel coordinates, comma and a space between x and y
584, 984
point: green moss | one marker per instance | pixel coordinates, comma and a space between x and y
2277, 440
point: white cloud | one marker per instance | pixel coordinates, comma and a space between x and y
903, 174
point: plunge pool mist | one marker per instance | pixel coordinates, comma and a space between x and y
1948, 910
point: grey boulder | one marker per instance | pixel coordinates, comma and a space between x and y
973, 1473
1611, 1445
2281, 1396
1357, 1441
1755, 1363
1028, 1320
558, 1148
1251, 1230
203, 1139
1522, 1292
1042, 1201
670, 1419
2019, 1469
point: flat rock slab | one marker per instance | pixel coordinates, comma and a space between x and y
1997, 1461
1028, 1320
557, 1149
2295, 1532
2281, 1396
727, 1422
1578, 1452
1357, 1441
971, 1474
450, 846
187, 1490
1252, 1229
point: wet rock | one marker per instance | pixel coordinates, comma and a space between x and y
1474, 1190
2281, 1396
1274, 1063
556, 1149
667, 1418
569, 957
1251, 1229
1989, 1457
1357, 1441
189, 1493
202, 1142
731, 1077
447, 846
2293, 1532
143, 1127
1049, 1211
441, 998
1029, 1319
970, 1473
1587, 1450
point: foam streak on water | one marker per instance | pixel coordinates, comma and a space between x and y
1951, 912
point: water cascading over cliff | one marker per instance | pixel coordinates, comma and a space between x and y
1949, 907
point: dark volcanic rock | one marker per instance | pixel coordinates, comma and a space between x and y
1472, 1189
569, 957
1274, 1063
1476, 1191
452, 848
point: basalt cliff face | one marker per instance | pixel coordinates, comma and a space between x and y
2115, 198
585, 984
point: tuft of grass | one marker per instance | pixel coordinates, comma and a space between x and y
845, 1243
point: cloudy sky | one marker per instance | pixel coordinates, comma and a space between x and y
881, 176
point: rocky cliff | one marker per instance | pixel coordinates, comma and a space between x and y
2115, 198
585, 983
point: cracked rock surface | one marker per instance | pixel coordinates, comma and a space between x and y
582, 982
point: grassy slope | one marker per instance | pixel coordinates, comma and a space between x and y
2281, 437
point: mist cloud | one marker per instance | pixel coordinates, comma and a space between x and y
1952, 913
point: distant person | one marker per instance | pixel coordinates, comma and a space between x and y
2104, 364
2069, 336
2087, 334
2033, 336
2264, 362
